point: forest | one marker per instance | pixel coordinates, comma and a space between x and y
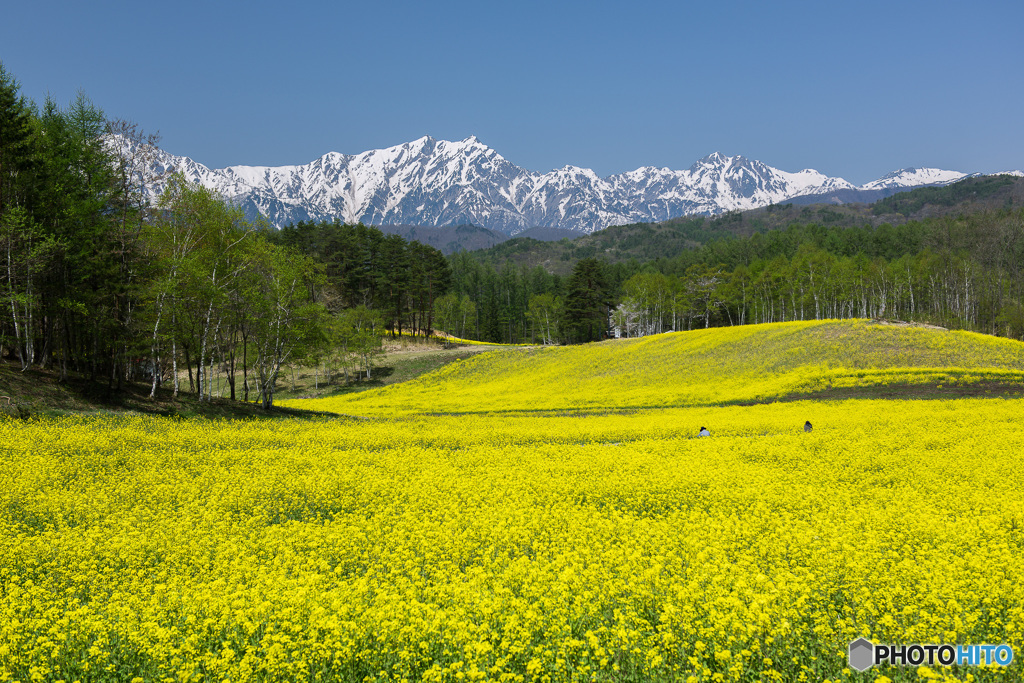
101, 281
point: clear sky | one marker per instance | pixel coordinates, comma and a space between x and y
852, 89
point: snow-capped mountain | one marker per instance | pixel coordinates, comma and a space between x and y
914, 177
437, 182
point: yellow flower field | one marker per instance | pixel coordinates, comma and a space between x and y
545, 546
705, 367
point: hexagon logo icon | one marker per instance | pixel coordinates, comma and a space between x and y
861, 654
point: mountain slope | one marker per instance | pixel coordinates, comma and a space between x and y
439, 183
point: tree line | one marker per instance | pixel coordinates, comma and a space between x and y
960, 272
364, 267
516, 304
956, 271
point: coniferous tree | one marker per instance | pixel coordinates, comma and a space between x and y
587, 302
16, 157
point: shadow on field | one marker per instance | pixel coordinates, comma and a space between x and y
907, 392
41, 392
890, 392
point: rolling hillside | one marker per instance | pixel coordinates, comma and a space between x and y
717, 366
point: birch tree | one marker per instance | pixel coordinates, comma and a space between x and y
286, 317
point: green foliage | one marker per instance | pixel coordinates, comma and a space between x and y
357, 334
454, 313
969, 189
16, 157
57, 176
365, 267
588, 302
545, 313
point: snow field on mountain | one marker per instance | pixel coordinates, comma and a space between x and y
509, 547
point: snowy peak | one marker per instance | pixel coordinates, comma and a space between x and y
438, 182
741, 183
915, 177
713, 160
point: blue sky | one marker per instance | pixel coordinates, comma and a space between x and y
851, 89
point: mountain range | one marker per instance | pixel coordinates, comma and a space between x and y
431, 182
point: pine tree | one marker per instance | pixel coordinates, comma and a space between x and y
15, 142
587, 302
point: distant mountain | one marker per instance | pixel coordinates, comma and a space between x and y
431, 182
550, 234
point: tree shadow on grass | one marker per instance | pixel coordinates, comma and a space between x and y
42, 392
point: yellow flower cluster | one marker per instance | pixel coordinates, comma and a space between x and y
550, 546
457, 340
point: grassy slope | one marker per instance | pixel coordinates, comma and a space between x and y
396, 366
39, 392
707, 367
